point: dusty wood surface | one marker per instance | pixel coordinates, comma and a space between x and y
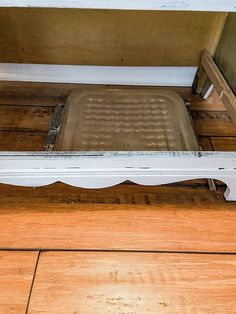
16, 274
101, 282
224, 143
25, 118
22, 141
206, 123
69, 37
126, 217
213, 102
209, 123
48, 94
205, 143
24, 128
19, 130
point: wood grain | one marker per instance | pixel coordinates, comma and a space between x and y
212, 103
208, 123
126, 193
205, 143
69, 37
221, 86
16, 274
22, 141
25, 118
224, 143
126, 217
51, 93
106, 282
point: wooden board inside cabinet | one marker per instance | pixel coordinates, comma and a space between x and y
107, 37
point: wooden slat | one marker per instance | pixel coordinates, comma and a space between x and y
24, 128
16, 275
208, 123
25, 118
33, 118
22, 141
49, 94
224, 143
106, 282
212, 103
178, 219
52, 93
205, 143
221, 86
12, 100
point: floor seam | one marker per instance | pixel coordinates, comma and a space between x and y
112, 250
32, 283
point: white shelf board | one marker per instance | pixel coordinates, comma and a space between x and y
104, 169
111, 75
177, 5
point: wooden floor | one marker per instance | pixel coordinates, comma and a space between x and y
126, 249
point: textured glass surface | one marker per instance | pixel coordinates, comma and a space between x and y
126, 119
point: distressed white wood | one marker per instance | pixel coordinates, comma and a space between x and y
113, 75
181, 5
99, 170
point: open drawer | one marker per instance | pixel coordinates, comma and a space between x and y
134, 60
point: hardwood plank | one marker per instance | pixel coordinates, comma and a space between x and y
106, 282
178, 219
52, 93
205, 143
126, 193
22, 141
25, 118
224, 143
16, 275
15, 100
208, 123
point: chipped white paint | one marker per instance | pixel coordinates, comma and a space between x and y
99, 170
113, 75
179, 5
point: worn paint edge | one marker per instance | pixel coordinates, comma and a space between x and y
88, 170
162, 5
